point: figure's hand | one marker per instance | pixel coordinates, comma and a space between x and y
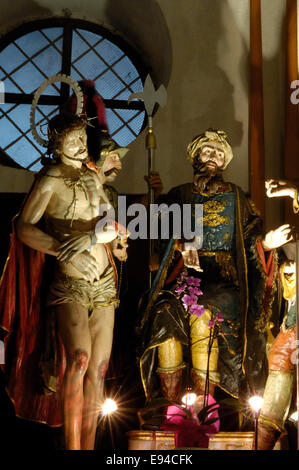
119, 249
278, 188
73, 246
191, 259
278, 237
87, 265
155, 183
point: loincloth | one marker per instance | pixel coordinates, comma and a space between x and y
101, 293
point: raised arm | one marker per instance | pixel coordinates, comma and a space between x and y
278, 188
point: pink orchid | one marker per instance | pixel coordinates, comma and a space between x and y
189, 300
180, 289
182, 277
193, 281
194, 291
197, 310
217, 319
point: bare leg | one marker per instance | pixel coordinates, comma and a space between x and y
74, 331
101, 329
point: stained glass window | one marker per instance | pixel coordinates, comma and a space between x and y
80, 49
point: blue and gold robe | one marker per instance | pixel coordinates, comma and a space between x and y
237, 279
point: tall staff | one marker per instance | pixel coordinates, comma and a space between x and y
150, 97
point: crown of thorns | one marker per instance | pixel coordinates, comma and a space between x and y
55, 78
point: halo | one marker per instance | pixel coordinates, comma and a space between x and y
60, 77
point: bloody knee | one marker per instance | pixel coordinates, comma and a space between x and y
81, 359
103, 367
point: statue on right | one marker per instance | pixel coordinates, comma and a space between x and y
208, 314
282, 356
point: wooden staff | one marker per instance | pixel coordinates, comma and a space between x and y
150, 97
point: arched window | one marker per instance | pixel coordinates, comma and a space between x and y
83, 50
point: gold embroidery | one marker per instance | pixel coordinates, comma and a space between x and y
227, 267
253, 208
213, 220
211, 217
213, 206
226, 263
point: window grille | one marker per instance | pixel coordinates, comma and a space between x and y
36, 51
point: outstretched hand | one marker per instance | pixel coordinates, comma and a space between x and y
278, 237
278, 188
191, 259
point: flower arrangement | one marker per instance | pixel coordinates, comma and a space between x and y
192, 429
188, 291
192, 426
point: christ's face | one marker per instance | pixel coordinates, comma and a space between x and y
74, 145
212, 154
111, 166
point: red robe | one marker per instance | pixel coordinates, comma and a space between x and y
34, 354
30, 334
24, 319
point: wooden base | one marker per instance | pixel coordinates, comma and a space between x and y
150, 440
232, 441
164, 440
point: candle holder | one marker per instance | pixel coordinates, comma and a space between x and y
256, 404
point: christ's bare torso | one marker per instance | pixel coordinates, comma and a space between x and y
70, 199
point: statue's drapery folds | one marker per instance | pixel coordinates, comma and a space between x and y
238, 280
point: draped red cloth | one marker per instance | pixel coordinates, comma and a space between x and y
24, 319
23, 316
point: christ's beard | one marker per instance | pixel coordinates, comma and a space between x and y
77, 159
206, 180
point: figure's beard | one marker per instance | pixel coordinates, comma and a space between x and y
76, 159
111, 175
207, 180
